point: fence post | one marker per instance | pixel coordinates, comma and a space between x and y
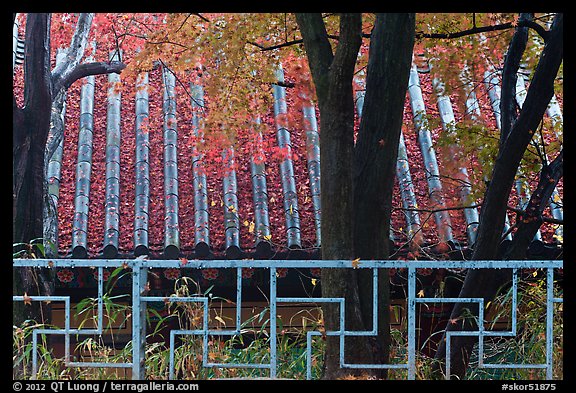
139, 279
273, 343
411, 323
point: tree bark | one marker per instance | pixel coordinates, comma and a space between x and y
531, 220
332, 74
357, 184
509, 75
486, 283
376, 151
336, 152
29, 130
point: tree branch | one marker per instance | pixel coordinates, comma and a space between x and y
296, 42
87, 69
549, 220
74, 53
531, 218
409, 209
278, 46
542, 32
509, 76
202, 17
284, 84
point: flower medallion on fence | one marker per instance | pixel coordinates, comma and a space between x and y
105, 275
65, 275
210, 274
172, 273
281, 272
247, 272
316, 271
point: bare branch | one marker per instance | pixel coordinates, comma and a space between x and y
475, 30
294, 42
484, 29
408, 209
282, 45
202, 17
284, 84
549, 220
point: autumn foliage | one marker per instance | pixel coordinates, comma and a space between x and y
230, 56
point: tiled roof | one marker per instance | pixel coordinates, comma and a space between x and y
123, 189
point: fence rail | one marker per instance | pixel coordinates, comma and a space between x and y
139, 270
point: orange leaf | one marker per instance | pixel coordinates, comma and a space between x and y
27, 299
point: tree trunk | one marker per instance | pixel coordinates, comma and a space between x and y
486, 283
30, 131
336, 152
50, 212
333, 75
376, 151
357, 185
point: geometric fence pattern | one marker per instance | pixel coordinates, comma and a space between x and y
139, 269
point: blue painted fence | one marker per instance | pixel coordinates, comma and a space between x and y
139, 269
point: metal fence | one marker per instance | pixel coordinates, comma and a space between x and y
139, 299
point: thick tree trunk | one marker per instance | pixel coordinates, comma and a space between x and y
486, 283
30, 131
333, 75
28, 158
336, 150
357, 185
376, 151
